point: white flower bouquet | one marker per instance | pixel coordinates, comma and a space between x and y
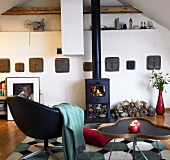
158, 80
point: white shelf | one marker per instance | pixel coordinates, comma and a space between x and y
124, 30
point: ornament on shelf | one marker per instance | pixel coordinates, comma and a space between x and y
117, 24
130, 23
35, 26
124, 26
150, 25
142, 27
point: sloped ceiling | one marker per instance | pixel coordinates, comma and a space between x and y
156, 10
7, 4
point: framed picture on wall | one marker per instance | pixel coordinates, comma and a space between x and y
130, 65
111, 64
153, 62
27, 87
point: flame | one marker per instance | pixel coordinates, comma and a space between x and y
96, 92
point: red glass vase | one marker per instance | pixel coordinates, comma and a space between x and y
160, 109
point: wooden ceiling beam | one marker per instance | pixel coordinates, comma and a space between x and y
113, 10
56, 10
32, 11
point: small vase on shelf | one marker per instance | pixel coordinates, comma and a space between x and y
160, 109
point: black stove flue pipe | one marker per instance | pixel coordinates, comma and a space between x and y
96, 38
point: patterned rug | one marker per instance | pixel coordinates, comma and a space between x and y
120, 150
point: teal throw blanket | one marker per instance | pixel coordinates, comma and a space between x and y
72, 131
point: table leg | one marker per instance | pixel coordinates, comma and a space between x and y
134, 145
112, 148
127, 153
158, 149
141, 152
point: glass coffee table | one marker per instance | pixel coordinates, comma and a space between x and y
147, 130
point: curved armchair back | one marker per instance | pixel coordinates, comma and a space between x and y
34, 119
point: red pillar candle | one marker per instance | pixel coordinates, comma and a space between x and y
132, 127
137, 123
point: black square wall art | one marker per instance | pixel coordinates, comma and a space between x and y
111, 64
87, 66
130, 65
36, 64
153, 62
62, 65
19, 67
4, 65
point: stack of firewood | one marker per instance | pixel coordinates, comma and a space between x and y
97, 110
133, 109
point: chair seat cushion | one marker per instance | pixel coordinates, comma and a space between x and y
92, 137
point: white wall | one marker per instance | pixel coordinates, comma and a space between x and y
132, 45
70, 87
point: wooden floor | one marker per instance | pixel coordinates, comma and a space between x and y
11, 136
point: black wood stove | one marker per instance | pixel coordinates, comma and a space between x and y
97, 100
97, 88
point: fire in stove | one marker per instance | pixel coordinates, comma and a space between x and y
97, 91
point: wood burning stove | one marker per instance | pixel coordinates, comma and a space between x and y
97, 100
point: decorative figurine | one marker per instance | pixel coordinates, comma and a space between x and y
124, 26
38, 26
144, 27
141, 25
150, 25
35, 26
130, 24
117, 24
